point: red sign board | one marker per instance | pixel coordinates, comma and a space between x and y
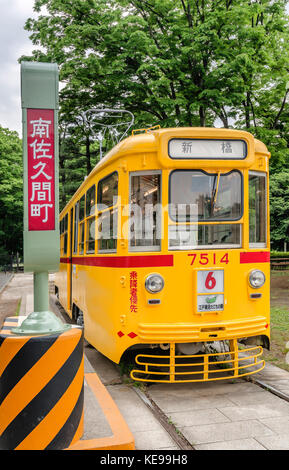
41, 169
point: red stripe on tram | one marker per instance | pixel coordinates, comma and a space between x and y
255, 257
122, 261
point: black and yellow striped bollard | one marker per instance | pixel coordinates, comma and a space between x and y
41, 389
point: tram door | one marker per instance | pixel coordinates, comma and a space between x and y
69, 274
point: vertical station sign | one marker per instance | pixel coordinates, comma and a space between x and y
39, 91
41, 169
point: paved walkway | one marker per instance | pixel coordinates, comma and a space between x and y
216, 415
4, 279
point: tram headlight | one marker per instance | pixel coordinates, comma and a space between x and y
256, 278
154, 283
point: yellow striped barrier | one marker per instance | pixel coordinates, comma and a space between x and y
41, 389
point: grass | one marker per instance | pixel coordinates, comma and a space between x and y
279, 337
18, 308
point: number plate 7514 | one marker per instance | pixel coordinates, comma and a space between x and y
208, 258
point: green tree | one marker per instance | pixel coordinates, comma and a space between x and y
279, 208
11, 193
170, 62
180, 62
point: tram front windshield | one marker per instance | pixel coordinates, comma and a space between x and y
197, 197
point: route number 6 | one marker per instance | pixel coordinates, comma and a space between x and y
210, 281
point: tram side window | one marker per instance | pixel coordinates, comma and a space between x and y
66, 223
63, 234
107, 231
81, 238
107, 191
90, 201
107, 194
82, 208
145, 211
257, 209
90, 221
76, 215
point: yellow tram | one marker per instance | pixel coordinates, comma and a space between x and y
165, 249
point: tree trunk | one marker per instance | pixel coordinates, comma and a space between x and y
202, 114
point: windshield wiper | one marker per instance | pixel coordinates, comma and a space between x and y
215, 191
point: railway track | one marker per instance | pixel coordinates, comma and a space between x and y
170, 428
177, 436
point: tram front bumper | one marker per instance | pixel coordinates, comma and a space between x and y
173, 368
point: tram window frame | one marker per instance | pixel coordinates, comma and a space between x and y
212, 219
107, 209
100, 193
75, 229
210, 246
65, 244
89, 208
66, 222
81, 238
81, 211
90, 219
113, 216
64, 234
264, 222
146, 248
65, 228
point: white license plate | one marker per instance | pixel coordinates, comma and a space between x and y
210, 303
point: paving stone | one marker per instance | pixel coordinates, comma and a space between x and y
220, 388
225, 431
237, 444
183, 389
257, 411
144, 420
171, 404
260, 397
169, 448
278, 425
129, 403
106, 369
204, 388
275, 442
272, 373
29, 304
197, 417
153, 440
95, 422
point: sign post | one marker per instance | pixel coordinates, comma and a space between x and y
39, 93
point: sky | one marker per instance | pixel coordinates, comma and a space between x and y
14, 42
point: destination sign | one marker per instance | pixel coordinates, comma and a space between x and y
41, 171
208, 148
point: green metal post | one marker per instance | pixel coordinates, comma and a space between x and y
41, 294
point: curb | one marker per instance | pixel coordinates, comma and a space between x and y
122, 438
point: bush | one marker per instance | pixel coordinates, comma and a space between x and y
279, 254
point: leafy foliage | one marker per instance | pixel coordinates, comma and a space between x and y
279, 205
11, 194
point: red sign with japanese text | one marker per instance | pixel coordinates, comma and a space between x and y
41, 169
